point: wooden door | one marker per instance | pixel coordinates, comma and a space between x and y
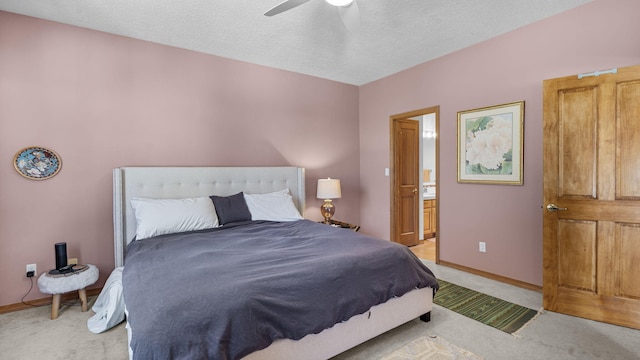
592, 197
406, 181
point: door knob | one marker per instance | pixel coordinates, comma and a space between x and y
415, 191
554, 207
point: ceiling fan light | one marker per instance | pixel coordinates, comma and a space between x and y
340, 2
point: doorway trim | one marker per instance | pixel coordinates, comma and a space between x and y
392, 155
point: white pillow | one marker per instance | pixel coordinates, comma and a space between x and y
167, 216
275, 206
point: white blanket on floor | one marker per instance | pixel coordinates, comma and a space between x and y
109, 306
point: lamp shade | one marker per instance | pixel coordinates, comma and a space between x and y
329, 189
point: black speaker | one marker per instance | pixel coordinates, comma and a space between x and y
61, 255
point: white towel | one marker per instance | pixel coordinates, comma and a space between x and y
109, 307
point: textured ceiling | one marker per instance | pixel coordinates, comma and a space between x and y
393, 35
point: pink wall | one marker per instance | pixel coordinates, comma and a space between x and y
103, 101
600, 35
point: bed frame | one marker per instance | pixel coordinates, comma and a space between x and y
183, 182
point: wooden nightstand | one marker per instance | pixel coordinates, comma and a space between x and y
341, 224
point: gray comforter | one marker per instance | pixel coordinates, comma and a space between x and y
227, 292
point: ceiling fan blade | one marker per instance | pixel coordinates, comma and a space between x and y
350, 16
284, 6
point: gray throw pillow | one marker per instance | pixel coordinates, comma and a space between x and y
231, 208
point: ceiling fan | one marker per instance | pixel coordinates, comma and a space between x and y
348, 9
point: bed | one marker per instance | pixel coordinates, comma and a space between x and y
202, 270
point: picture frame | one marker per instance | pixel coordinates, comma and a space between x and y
37, 163
491, 144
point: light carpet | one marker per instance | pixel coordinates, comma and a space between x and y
31, 335
430, 348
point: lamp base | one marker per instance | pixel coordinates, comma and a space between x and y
327, 210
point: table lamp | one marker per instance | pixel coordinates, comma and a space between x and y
328, 189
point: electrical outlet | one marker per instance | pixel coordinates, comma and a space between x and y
32, 267
482, 246
73, 261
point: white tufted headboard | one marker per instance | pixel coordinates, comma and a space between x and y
183, 182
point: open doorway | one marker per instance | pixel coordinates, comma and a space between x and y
414, 190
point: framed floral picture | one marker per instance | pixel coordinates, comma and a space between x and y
490, 144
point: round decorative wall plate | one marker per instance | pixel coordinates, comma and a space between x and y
37, 163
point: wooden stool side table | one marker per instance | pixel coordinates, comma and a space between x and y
58, 285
